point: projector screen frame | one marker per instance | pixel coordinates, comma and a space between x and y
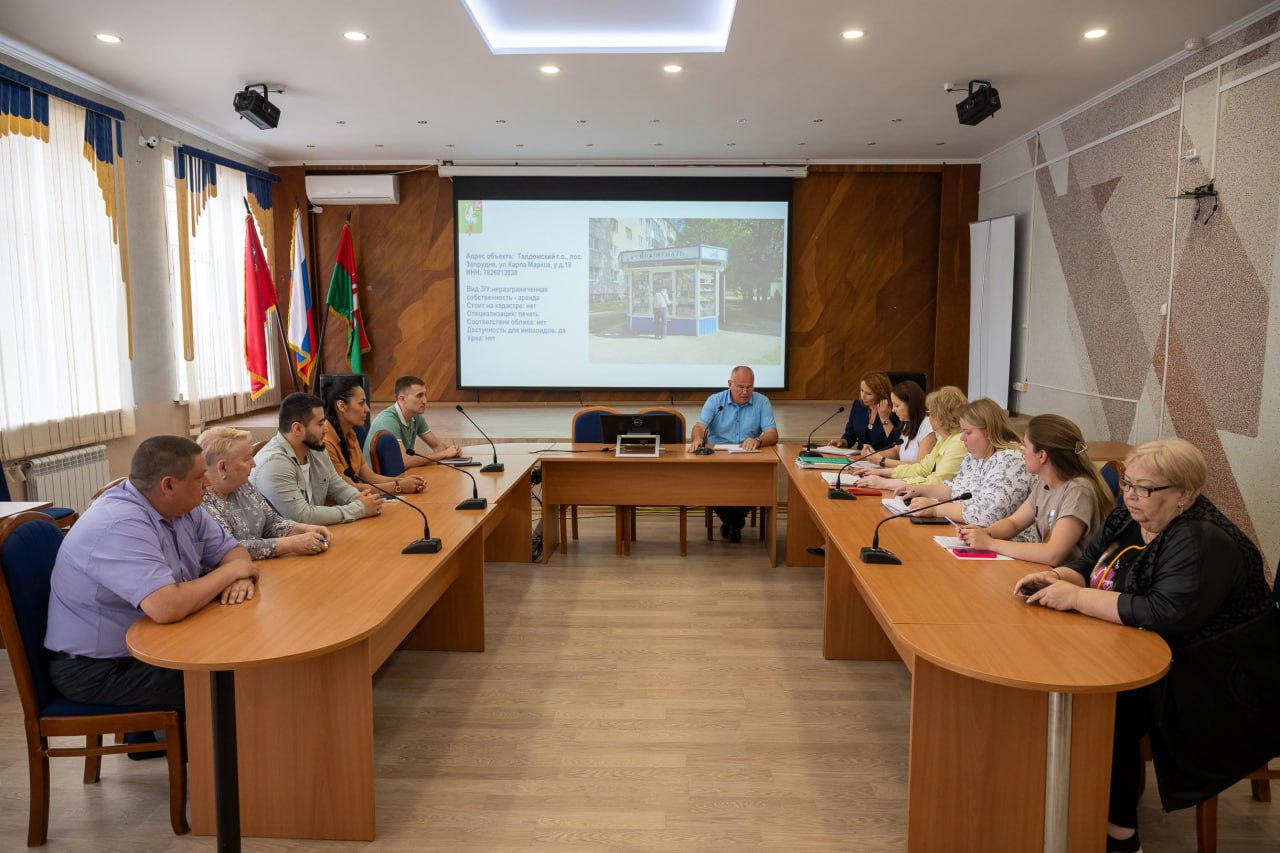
687, 189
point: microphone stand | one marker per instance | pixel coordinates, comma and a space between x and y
835, 493
809, 452
473, 502
703, 450
427, 544
495, 465
876, 554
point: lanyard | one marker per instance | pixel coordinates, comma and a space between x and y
1108, 575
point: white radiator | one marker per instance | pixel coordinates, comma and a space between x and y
68, 479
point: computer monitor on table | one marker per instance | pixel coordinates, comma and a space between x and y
662, 424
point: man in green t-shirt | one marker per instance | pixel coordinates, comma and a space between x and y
404, 419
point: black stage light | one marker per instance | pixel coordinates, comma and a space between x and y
256, 108
981, 104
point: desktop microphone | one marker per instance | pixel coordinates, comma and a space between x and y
876, 554
425, 545
473, 502
703, 450
808, 444
835, 493
495, 465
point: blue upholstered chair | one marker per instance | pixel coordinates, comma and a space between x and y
63, 516
1111, 473
385, 456
29, 545
586, 429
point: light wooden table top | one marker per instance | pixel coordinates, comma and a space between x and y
964, 614
308, 606
8, 508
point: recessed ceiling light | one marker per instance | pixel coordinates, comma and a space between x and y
550, 69
354, 36
673, 68
1095, 34
853, 34
108, 38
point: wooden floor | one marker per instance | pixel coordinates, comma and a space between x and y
642, 703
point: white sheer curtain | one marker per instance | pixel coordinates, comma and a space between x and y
63, 327
213, 381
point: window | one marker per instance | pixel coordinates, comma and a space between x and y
209, 348
64, 331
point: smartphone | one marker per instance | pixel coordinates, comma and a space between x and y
1032, 588
973, 552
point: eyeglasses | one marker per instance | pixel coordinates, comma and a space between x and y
1127, 485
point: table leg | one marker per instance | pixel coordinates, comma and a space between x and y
802, 532
1057, 773
226, 772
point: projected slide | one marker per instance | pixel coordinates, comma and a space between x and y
620, 294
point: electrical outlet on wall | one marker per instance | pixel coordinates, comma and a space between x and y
1192, 154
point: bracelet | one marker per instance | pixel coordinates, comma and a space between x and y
1056, 574
397, 487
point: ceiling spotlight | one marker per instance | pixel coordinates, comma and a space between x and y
550, 69
673, 69
1193, 44
1095, 34
354, 36
852, 34
982, 103
108, 38
254, 106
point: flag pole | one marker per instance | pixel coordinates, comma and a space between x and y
284, 342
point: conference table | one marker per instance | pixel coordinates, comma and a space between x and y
283, 725
1012, 705
589, 475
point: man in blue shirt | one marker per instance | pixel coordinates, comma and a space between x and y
148, 547
738, 415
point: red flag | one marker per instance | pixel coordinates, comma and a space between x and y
259, 301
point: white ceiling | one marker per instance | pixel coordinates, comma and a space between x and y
786, 66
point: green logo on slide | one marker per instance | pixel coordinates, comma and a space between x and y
471, 217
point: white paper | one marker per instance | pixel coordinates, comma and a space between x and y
734, 448
895, 505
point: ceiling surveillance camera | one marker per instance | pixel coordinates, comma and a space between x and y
149, 141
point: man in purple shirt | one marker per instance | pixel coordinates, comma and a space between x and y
147, 547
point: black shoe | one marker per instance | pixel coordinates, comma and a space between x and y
725, 531
1125, 845
735, 535
817, 552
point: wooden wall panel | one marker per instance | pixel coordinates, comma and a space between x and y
867, 276
959, 207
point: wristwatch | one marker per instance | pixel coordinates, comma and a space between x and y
397, 487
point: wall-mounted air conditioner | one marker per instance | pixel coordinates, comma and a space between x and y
353, 189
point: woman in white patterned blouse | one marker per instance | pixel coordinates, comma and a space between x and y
993, 471
241, 509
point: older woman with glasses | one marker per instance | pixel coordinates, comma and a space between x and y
1167, 560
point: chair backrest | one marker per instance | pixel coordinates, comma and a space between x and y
117, 481
1111, 474
670, 411
29, 545
385, 457
362, 432
4, 487
585, 426
258, 445
896, 376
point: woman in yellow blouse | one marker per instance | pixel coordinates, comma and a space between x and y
943, 462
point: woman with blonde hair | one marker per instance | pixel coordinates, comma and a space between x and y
942, 463
1167, 560
1064, 509
241, 509
993, 471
